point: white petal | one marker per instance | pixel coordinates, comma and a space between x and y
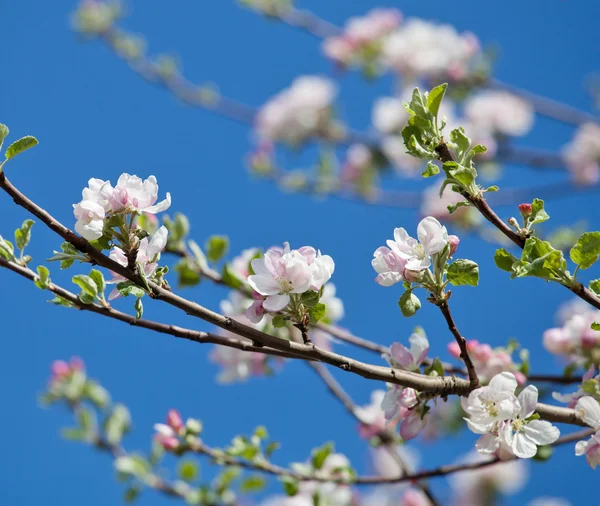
388, 278
488, 443
276, 303
528, 399
265, 285
590, 411
503, 382
541, 432
90, 231
161, 206
419, 346
581, 448
523, 447
477, 428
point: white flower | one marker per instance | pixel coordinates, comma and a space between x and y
433, 238
521, 437
133, 194
499, 112
90, 219
422, 49
298, 111
491, 404
590, 412
389, 115
334, 305
582, 154
330, 493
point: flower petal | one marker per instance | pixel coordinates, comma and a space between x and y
503, 382
528, 399
274, 303
541, 432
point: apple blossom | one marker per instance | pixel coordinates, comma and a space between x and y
405, 254
359, 34
131, 194
590, 413
282, 272
297, 112
409, 359
423, 49
90, 219
329, 493
167, 434
474, 487
148, 255
488, 361
499, 112
402, 404
582, 154
372, 418
504, 421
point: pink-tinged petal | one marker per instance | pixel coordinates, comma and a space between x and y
174, 420
259, 267
528, 399
541, 432
388, 278
590, 411
523, 447
432, 235
379, 262
389, 404
114, 294
419, 347
160, 207
454, 350
589, 374
418, 264
265, 285
503, 382
275, 303
256, 311
402, 355
487, 443
164, 430
592, 455
581, 448
412, 426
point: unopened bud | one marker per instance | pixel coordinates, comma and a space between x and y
525, 210
193, 426
453, 241
413, 276
59, 368
513, 222
174, 420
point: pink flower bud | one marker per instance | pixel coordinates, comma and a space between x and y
454, 349
76, 364
169, 443
525, 210
453, 241
412, 426
520, 377
174, 420
59, 368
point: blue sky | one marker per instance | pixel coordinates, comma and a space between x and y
94, 118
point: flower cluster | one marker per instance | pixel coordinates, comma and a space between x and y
488, 361
411, 359
590, 412
582, 154
575, 339
507, 423
130, 196
298, 112
147, 257
420, 49
283, 274
405, 258
174, 433
500, 113
360, 41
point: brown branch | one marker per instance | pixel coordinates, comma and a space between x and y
488, 213
462, 344
439, 385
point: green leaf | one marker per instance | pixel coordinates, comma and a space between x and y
7, 250
543, 453
188, 470
409, 303
187, 273
463, 272
216, 247
463, 143
435, 98
431, 170
17, 147
435, 369
131, 493
454, 207
3, 133
595, 286
43, 277
117, 424
464, 175
98, 278
417, 150
319, 455
538, 214
310, 298
585, 252
279, 321
595, 326
252, 484
87, 284
129, 288
317, 312
271, 447
504, 260
23, 234
230, 279
73, 434
261, 432
133, 464
59, 301
290, 485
